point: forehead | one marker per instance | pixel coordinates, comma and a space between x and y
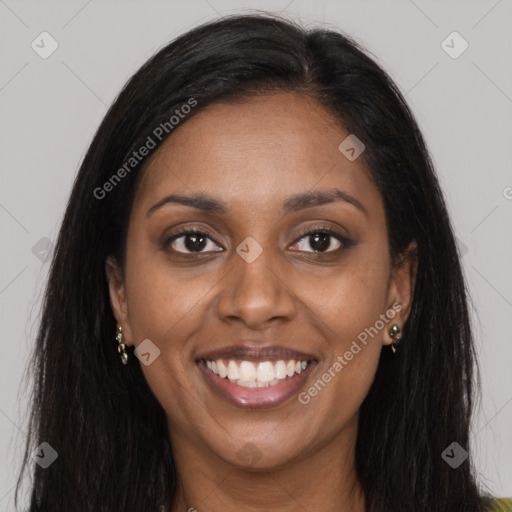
258, 151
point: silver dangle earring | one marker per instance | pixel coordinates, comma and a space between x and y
121, 348
395, 333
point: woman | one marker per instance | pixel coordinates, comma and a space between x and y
256, 301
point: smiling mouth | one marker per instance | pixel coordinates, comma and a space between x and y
255, 377
251, 374
257, 384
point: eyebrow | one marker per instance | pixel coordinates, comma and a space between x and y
292, 204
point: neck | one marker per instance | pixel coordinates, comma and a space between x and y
324, 480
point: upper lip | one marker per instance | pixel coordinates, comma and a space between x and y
252, 353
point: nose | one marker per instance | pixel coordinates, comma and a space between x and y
256, 293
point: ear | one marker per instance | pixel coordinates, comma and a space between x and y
118, 298
401, 287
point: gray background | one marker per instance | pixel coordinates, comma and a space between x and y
51, 107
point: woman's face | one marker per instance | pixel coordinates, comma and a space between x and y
252, 293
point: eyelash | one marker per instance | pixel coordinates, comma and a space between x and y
325, 230
346, 243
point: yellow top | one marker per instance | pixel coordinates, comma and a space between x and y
501, 505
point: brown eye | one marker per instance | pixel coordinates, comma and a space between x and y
322, 240
190, 241
319, 242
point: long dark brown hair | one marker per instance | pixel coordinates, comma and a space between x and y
101, 417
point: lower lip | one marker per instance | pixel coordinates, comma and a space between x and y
256, 398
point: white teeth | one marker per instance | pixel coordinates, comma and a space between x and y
247, 371
246, 384
265, 371
251, 375
233, 373
223, 371
280, 370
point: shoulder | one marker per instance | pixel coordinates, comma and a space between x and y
501, 505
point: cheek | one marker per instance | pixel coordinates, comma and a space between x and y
349, 299
349, 308
166, 305
162, 301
